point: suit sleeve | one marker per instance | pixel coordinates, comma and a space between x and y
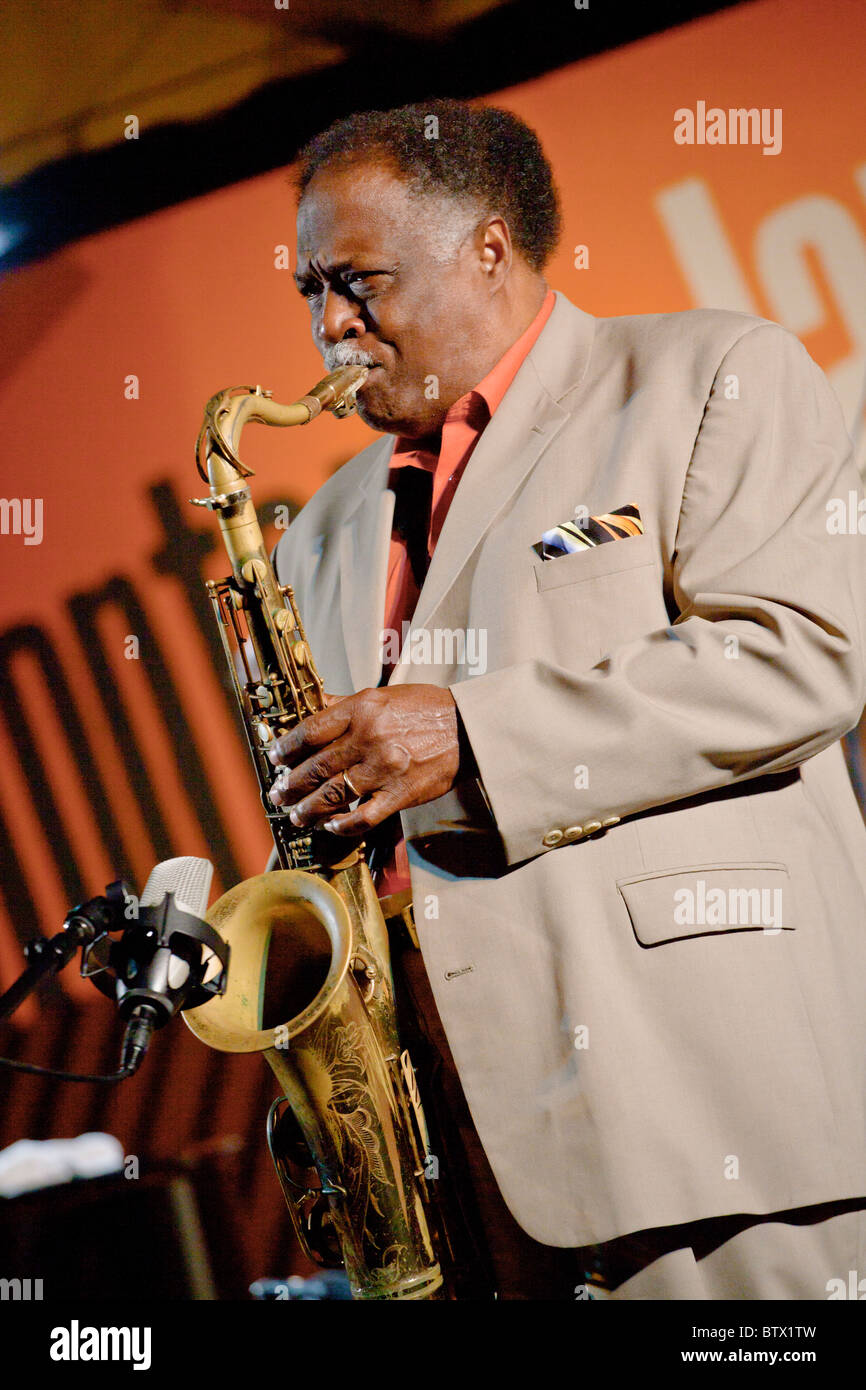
762, 666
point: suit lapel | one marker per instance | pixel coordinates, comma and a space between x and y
526, 422
505, 453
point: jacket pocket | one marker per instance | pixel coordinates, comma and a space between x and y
707, 899
628, 553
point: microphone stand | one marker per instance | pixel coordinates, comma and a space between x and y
82, 927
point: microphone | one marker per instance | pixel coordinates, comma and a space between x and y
189, 879
167, 959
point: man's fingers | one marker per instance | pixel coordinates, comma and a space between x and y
364, 817
308, 776
312, 732
328, 794
329, 797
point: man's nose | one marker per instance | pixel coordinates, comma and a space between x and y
339, 319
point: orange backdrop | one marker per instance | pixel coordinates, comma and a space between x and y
114, 759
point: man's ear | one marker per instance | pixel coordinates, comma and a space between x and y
495, 251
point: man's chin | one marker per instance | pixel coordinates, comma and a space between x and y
390, 416
378, 413
389, 424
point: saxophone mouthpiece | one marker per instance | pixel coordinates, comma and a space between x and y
336, 392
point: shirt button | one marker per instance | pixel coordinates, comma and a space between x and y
552, 838
572, 832
591, 827
611, 820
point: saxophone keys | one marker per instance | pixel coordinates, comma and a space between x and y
253, 570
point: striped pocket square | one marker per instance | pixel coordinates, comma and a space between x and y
572, 535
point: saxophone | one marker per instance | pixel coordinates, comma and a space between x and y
310, 982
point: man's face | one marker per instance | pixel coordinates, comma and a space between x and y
367, 267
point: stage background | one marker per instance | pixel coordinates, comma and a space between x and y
114, 761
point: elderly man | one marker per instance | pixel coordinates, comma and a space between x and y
605, 638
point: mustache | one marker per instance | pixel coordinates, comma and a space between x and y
346, 354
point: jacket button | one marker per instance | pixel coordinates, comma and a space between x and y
591, 827
572, 832
552, 838
611, 820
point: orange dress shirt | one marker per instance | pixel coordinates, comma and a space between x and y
461, 431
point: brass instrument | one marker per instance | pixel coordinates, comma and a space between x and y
310, 981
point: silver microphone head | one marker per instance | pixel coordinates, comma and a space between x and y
187, 878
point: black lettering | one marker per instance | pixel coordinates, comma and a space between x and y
32, 640
84, 608
182, 555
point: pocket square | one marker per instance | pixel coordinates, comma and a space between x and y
569, 536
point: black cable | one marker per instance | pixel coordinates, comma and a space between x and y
136, 1040
64, 1075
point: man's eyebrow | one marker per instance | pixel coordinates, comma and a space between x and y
339, 268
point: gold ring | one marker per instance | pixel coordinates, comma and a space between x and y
349, 786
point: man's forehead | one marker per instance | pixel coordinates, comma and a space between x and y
343, 241
352, 210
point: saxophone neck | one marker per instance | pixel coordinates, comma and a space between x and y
228, 411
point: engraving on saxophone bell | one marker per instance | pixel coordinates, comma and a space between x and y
310, 948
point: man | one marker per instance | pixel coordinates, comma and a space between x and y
611, 740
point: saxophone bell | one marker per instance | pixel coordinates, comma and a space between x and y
305, 993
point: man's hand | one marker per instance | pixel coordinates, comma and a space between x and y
401, 746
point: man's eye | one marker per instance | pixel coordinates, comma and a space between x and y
360, 283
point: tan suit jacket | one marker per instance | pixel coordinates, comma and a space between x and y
649, 953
